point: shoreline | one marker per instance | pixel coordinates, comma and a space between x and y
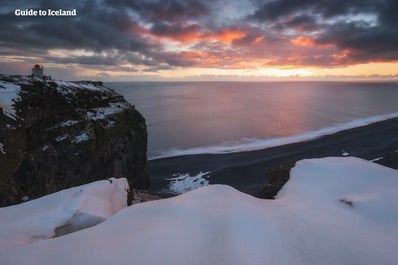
255, 144
246, 171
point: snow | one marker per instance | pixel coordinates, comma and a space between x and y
68, 123
376, 159
102, 113
82, 137
74, 208
311, 221
61, 137
111, 123
80, 85
185, 182
8, 93
252, 144
2, 149
344, 153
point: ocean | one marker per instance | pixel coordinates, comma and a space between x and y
224, 117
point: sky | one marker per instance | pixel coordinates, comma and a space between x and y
149, 40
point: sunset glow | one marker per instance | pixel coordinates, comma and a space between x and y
302, 41
133, 40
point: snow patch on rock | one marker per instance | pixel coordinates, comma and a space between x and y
61, 137
2, 149
102, 113
83, 137
8, 94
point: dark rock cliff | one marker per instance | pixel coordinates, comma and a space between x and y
56, 134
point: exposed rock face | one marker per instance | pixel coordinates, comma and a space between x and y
61, 134
278, 176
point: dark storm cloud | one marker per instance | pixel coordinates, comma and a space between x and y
176, 31
99, 28
96, 28
87, 60
368, 43
273, 10
365, 44
365, 41
304, 22
135, 32
164, 10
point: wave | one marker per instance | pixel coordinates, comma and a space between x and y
181, 183
253, 144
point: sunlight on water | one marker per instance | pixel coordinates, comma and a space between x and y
192, 115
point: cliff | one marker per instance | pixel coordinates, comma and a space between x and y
56, 134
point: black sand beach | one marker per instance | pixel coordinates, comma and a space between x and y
246, 171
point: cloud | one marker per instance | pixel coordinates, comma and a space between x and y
302, 41
176, 31
163, 10
154, 35
365, 30
277, 9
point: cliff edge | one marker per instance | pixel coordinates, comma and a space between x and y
56, 134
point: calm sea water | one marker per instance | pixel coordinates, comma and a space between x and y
211, 117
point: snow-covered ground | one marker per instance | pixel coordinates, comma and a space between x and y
67, 87
64, 211
8, 93
332, 211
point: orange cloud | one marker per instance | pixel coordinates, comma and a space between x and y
227, 35
302, 41
342, 57
187, 36
258, 40
202, 58
194, 55
339, 56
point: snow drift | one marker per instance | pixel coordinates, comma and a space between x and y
332, 211
62, 212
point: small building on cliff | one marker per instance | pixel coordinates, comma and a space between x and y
37, 71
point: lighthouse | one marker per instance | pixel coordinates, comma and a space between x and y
37, 71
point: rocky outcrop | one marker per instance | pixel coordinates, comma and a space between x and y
277, 177
56, 134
